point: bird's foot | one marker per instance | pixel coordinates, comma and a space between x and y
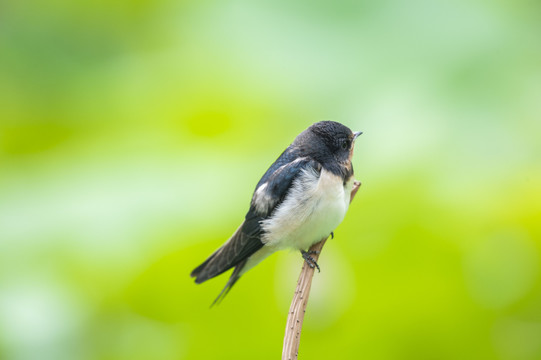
332, 234
310, 260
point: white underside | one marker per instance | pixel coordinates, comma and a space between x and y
313, 208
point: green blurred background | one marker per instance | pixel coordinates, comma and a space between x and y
132, 134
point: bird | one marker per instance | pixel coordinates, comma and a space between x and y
301, 199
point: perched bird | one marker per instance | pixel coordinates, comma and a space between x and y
301, 199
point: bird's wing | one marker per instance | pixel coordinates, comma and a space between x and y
275, 184
270, 192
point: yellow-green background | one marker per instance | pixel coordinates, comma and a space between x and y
132, 134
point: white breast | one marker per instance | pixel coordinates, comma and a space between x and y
312, 209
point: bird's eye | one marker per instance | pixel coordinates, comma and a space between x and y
344, 144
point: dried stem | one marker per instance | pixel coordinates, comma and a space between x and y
295, 316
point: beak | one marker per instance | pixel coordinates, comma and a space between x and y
356, 135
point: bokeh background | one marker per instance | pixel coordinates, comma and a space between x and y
132, 134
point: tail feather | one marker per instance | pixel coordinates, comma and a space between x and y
215, 265
233, 253
200, 273
232, 280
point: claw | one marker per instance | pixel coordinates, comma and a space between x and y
332, 234
310, 260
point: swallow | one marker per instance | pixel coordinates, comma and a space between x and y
300, 200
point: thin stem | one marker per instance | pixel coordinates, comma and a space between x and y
295, 316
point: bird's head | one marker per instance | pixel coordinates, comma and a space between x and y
330, 139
